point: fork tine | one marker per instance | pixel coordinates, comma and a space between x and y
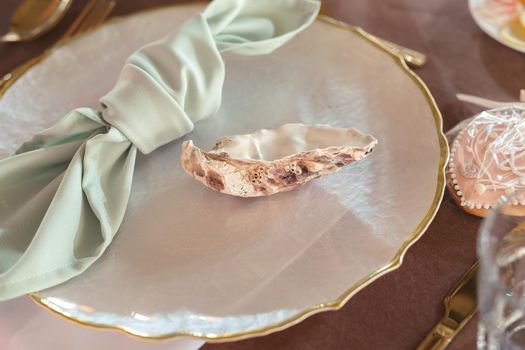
109, 8
97, 15
93, 17
78, 21
102, 14
95, 12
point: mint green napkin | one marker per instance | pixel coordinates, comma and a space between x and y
64, 194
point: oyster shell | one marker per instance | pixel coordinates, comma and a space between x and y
271, 161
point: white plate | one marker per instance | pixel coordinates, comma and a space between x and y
190, 261
495, 30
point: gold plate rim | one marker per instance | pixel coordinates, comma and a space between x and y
336, 304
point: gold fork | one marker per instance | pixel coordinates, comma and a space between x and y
94, 13
460, 305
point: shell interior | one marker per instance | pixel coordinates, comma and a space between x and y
289, 139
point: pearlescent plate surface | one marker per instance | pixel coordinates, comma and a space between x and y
191, 261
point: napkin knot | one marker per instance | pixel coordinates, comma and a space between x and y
166, 87
170, 84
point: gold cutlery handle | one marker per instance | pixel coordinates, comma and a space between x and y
412, 57
460, 305
439, 337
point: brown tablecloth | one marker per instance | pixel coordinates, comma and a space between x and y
398, 310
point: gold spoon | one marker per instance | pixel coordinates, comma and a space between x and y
33, 18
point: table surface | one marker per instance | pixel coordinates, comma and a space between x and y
399, 309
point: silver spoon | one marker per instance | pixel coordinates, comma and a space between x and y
33, 18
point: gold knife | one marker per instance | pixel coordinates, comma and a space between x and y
460, 306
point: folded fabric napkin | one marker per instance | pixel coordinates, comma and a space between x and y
64, 194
